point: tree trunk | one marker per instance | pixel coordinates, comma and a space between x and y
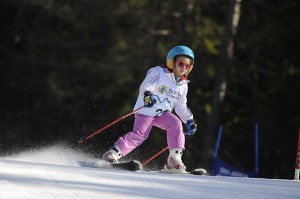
226, 55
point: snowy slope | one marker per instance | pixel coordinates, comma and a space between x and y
54, 173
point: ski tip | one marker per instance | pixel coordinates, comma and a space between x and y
133, 165
140, 165
199, 171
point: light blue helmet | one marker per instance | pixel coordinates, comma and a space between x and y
176, 51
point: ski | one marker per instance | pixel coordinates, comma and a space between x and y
198, 171
133, 165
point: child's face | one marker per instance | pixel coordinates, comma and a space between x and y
182, 66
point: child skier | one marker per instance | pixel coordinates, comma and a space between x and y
164, 89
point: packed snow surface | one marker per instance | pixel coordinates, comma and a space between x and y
56, 173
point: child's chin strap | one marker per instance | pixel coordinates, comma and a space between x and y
180, 78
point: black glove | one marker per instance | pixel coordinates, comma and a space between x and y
191, 127
149, 100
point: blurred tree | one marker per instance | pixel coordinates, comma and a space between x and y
226, 54
70, 67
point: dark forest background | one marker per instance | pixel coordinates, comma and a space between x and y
69, 67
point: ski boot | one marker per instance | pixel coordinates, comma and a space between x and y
112, 155
174, 162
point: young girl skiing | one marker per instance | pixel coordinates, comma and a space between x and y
164, 89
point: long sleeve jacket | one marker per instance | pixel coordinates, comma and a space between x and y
169, 94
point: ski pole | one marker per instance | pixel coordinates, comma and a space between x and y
110, 124
154, 156
297, 166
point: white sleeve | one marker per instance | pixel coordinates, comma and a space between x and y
151, 80
181, 108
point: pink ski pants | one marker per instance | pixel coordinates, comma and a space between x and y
142, 127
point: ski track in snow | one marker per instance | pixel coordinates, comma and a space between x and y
55, 173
